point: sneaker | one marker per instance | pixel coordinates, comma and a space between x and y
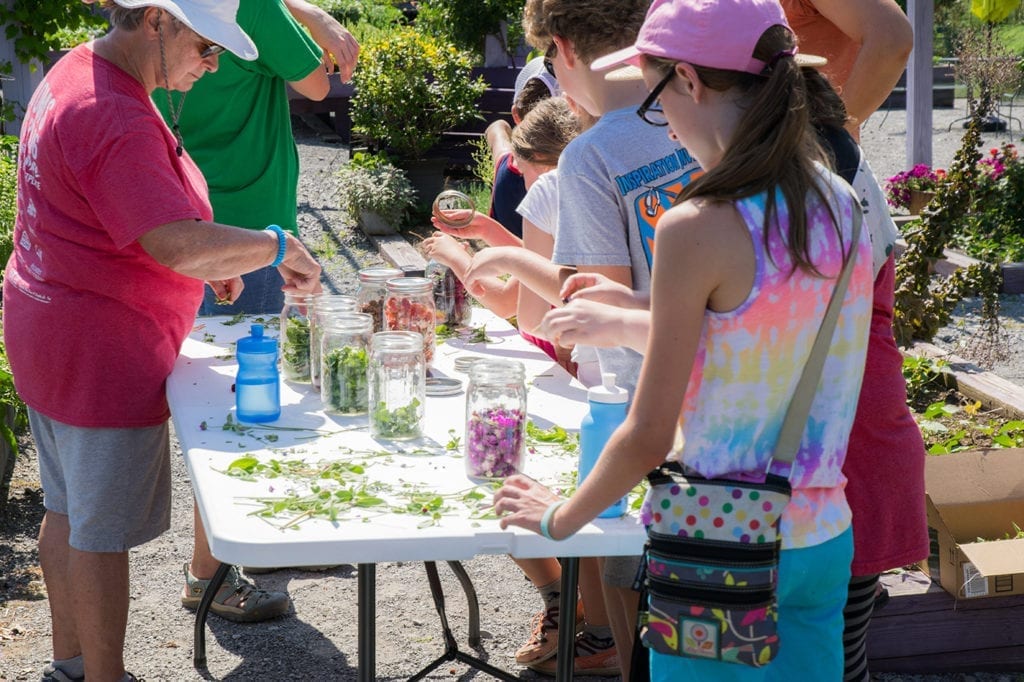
53, 674
594, 657
238, 599
543, 642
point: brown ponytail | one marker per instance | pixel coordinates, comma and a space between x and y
774, 145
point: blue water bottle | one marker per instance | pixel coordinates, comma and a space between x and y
608, 404
258, 383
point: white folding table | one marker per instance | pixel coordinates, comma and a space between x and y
200, 394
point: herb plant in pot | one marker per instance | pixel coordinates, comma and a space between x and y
376, 193
409, 88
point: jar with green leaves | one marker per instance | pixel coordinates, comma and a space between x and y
397, 385
324, 305
295, 336
345, 361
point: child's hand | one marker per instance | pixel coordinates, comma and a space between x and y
482, 227
445, 249
582, 321
591, 286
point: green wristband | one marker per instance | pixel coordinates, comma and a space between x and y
545, 521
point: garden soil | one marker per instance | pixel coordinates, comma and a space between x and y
317, 639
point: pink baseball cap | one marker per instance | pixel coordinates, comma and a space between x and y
720, 34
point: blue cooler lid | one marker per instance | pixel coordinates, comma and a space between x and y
256, 342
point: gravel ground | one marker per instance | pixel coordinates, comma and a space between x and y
318, 640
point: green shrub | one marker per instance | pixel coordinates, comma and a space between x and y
350, 12
8, 205
466, 22
994, 228
409, 88
371, 183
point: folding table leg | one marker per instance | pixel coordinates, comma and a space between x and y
199, 637
451, 648
567, 605
472, 603
367, 598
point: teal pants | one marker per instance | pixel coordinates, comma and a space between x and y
812, 592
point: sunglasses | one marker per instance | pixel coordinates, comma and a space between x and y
210, 50
650, 111
549, 65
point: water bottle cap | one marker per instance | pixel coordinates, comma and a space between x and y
607, 392
256, 342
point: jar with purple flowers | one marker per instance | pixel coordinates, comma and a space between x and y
495, 419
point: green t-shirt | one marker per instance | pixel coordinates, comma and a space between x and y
236, 123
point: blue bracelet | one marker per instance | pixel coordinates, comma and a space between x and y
545, 521
282, 244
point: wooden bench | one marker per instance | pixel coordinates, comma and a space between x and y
943, 89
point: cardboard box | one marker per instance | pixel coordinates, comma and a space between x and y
972, 495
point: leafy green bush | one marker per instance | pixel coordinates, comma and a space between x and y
39, 27
466, 22
371, 183
411, 87
8, 204
381, 14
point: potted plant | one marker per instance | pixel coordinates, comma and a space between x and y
376, 193
409, 88
913, 189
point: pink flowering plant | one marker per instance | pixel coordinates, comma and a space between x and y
922, 178
993, 230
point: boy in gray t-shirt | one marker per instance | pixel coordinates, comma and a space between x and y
615, 181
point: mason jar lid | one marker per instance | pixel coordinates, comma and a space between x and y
379, 274
397, 342
299, 298
358, 323
410, 285
503, 371
337, 302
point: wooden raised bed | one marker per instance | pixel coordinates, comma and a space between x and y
922, 628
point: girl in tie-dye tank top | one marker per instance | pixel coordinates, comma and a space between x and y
745, 264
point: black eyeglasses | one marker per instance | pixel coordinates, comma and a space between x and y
650, 111
549, 65
210, 50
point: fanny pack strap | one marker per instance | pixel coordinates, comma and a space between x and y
795, 421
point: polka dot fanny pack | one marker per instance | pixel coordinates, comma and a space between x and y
711, 566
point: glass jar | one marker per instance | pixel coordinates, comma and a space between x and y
451, 300
345, 359
372, 292
295, 336
324, 305
397, 385
454, 209
409, 307
495, 419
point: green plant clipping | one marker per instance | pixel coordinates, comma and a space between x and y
295, 349
401, 422
410, 88
345, 382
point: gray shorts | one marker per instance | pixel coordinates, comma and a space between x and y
620, 571
114, 485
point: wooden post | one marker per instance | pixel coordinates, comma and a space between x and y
919, 83
495, 53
